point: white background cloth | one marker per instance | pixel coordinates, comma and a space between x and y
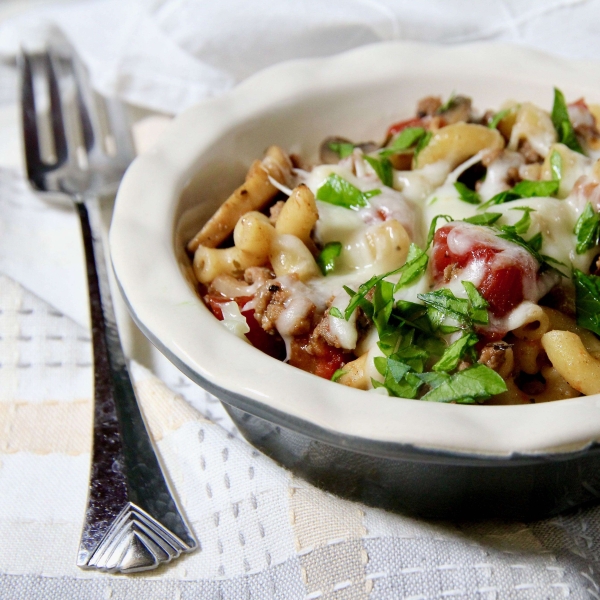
263, 533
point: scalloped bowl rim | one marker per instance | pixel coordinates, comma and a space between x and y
174, 317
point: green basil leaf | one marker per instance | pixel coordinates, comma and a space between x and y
383, 302
486, 218
423, 142
327, 256
433, 379
336, 190
396, 369
498, 117
479, 305
413, 356
446, 303
455, 352
413, 315
358, 298
587, 230
337, 374
342, 149
587, 300
535, 243
513, 237
415, 266
477, 383
398, 379
380, 363
562, 123
334, 311
530, 189
523, 224
556, 165
383, 168
407, 139
532, 247
467, 195
432, 227
448, 104
501, 198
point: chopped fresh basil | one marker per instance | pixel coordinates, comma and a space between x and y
467, 195
486, 218
407, 139
536, 241
412, 355
530, 189
587, 300
433, 379
334, 311
423, 142
515, 238
523, 189
416, 263
587, 230
342, 149
455, 352
498, 117
501, 198
338, 374
523, 224
556, 165
479, 304
533, 247
327, 256
562, 123
357, 298
414, 315
448, 104
443, 303
383, 303
474, 384
336, 190
433, 224
383, 168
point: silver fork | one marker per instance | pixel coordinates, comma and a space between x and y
132, 522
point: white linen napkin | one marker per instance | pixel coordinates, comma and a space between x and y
262, 532
169, 54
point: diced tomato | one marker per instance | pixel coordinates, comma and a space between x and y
317, 358
502, 287
214, 303
272, 345
398, 127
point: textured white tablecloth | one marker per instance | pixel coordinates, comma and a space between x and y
262, 532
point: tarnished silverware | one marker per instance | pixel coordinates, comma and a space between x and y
132, 522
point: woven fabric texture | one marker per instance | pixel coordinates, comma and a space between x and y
262, 532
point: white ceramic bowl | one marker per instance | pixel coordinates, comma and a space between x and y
168, 193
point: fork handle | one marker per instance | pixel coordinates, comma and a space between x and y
132, 522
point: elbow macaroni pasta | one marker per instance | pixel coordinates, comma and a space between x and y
334, 228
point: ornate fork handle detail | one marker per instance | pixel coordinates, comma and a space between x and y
132, 522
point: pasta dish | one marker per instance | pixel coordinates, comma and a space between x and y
456, 261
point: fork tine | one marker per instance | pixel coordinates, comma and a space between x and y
58, 125
87, 127
119, 130
36, 167
33, 162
